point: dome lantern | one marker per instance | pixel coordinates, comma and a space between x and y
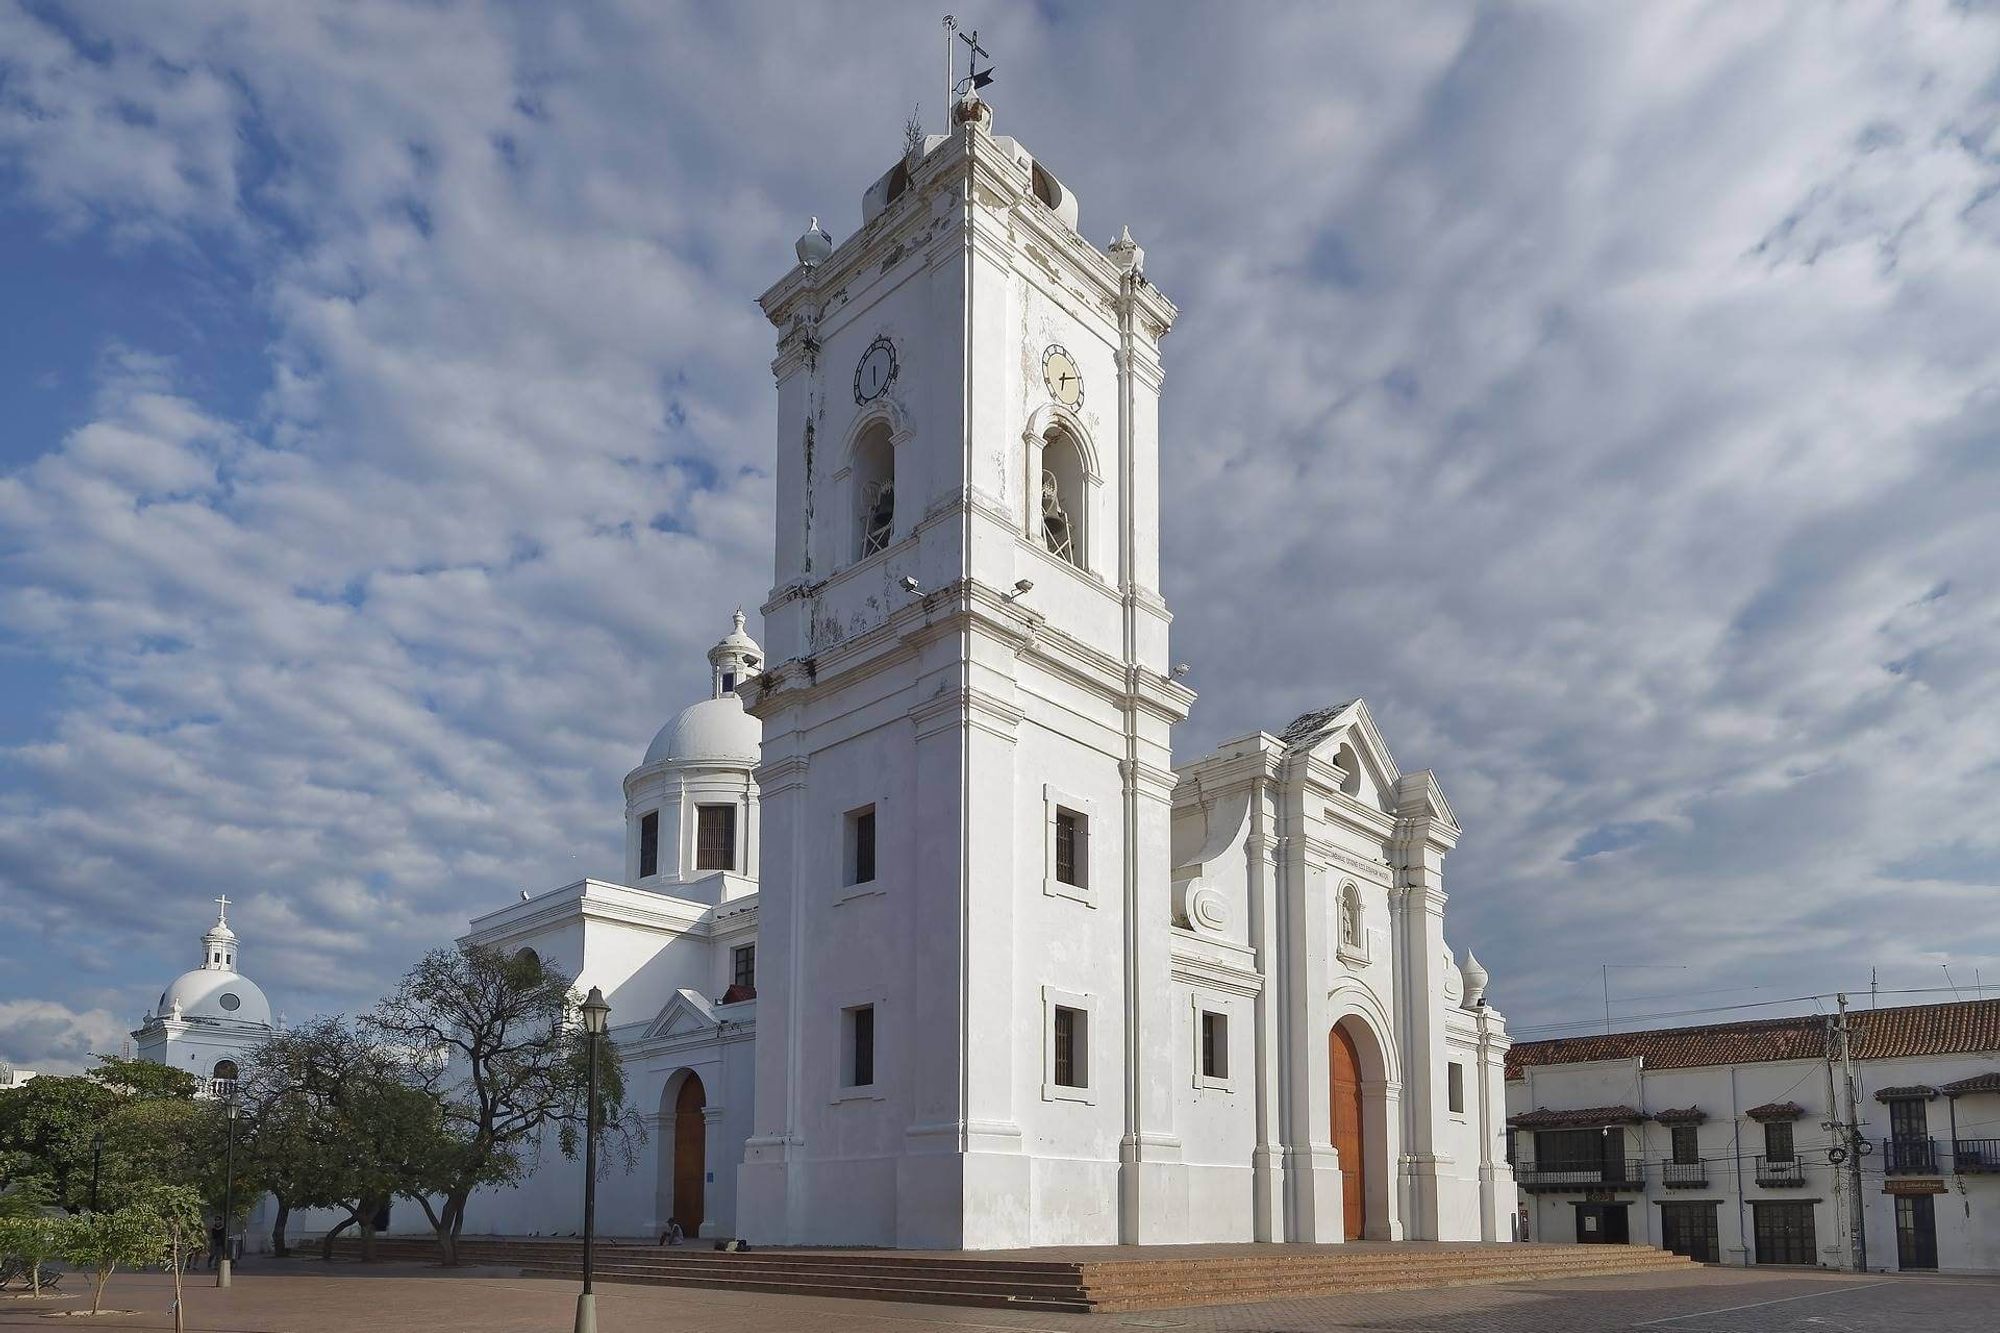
734, 658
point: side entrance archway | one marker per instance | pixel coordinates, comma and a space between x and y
686, 1166
1349, 1134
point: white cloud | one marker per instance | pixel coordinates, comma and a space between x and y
1603, 393
51, 1039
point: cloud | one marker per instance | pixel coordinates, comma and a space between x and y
51, 1039
1605, 394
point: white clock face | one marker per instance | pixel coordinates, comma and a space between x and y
1064, 380
876, 372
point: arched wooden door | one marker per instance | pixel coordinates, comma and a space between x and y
690, 1154
1345, 1063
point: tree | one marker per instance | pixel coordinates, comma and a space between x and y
145, 1080
99, 1242
332, 1124
33, 1239
490, 1038
173, 1216
48, 1125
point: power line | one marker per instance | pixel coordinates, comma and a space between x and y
1724, 1009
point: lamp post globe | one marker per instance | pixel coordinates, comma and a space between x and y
596, 1021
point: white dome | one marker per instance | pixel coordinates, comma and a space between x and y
714, 729
213, 993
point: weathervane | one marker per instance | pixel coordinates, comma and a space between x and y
975, 78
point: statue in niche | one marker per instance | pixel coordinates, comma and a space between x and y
1055, 520
878, 502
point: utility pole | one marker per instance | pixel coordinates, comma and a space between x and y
1858, 1240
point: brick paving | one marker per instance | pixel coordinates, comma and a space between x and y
305, 1296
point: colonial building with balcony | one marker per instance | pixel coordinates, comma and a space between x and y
1725, 1142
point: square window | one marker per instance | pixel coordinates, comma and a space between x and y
1072, 831
1214, 1045
859, 1030
743, 965
860, 849
1072, 1047
649, 844
715, 837
1454, 1087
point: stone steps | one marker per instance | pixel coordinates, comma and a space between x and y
1076, 1284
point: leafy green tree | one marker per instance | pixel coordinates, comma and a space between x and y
173, 1216
32, 1239
489, 1037
334, 1125
48, 1125
100, 1242
145, 1080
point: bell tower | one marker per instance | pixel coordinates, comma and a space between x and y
963, 994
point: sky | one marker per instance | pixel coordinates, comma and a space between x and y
1609, 394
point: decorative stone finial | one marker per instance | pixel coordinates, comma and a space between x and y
1125, 252
1475, 978
814, 246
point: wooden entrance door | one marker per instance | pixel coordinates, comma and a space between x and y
1345, 1062
690, 1155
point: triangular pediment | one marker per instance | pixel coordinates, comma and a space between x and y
687, 1014
1327, 732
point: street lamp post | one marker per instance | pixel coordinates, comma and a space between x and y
96, 1165
596, 1018
228, 1192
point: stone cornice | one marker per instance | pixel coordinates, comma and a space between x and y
1199, 961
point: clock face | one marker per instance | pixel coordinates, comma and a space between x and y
876, 372
1059, 372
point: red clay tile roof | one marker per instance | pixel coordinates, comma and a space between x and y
1876, 1034
1777, 1111
1923, 1090
1590, 1117
1686, 1115
1977, 1083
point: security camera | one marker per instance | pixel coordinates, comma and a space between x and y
909, 582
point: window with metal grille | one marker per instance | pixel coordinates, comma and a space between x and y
1785, 1233
1687, 1148
1071, 1040
861, 1046
649, 844
1214, 1045
1454, 1086
1071, 865
1778, 1141
743, 965
861, 845
715, 837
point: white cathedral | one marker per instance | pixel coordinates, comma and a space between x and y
922, 939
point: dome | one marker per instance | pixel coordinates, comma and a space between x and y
217, 995
715, 729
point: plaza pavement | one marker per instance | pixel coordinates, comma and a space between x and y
305, 1296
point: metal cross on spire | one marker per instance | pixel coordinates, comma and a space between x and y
975, 78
